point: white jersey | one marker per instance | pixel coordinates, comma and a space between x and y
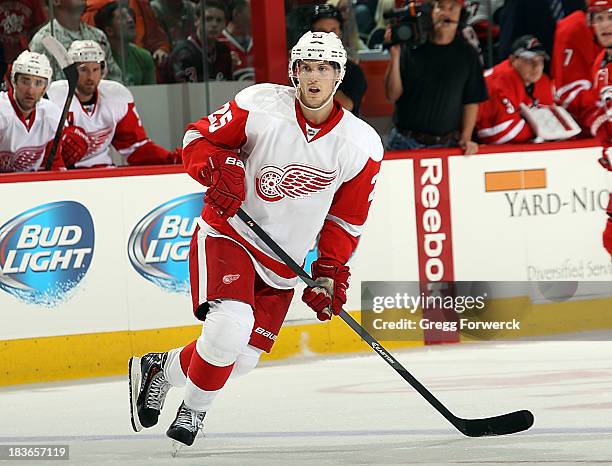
23, 142
112, 119
301, 180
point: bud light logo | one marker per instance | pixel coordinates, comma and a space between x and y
45, 252
158, 246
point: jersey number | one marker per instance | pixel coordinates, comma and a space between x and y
568, 56
219, 118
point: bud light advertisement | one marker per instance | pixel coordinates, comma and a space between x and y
158, 246
45, 252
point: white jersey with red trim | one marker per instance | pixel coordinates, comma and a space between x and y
112, 119
23, 142
301, 180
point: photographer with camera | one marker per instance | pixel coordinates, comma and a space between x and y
434, 78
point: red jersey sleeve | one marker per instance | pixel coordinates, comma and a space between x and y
222, 130
129, 133
499, 120
348, 214
131, 141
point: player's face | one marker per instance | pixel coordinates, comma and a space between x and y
529, 69
328, 25
90, 75
28, 90
602, 24
317, 81
214, 22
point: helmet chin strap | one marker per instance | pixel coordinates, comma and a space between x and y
320, 107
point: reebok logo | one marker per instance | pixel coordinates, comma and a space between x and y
229, 278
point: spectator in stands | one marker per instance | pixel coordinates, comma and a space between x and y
149, 34
436, 87
136, 63
535, 17
377, 35
3, 69
350, 34
591, 113
27, 121
574, 52
18, 22
66, 28
105, 112
237, 37
186, 60
518, 80
326, 18
176, 17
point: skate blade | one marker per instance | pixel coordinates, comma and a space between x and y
134, 377
176, 447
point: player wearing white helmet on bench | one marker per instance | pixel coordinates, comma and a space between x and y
27, 121
105, 114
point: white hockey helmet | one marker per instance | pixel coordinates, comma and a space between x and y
35, 64
83, 51
318, 46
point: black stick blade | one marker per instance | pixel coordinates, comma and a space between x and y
510, 423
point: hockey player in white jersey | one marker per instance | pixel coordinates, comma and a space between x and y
105, 114
27, 121
300, 166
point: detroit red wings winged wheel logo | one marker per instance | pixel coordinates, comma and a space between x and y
25, 159
294, 181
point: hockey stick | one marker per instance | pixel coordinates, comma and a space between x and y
498, 425
55, 48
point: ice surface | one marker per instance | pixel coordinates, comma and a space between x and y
348, 411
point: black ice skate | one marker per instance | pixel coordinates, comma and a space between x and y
185, 427
148, 389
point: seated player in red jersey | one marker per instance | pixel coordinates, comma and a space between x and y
520, 79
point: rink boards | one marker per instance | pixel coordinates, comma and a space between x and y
93, 264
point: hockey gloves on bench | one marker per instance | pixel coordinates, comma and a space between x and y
74, 144
328, 298
224, 174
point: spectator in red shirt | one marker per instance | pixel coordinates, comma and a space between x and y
18, 22
518, 79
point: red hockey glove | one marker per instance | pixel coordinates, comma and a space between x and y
176, 156
330, 296
607, 234
605, 160
75, 144
224, 174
